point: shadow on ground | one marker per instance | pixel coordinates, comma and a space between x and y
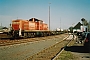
79, 49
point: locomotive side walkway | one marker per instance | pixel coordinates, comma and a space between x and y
25, 50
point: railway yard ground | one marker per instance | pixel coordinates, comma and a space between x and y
74, 51
56, 47
21, 49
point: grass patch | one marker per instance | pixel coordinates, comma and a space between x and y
66, 55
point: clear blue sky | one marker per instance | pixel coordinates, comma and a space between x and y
64, 13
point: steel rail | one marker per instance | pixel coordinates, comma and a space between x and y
56, 56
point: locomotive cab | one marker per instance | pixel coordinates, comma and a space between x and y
16, 30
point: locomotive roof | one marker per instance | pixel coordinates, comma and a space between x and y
35, 19
19, 20
27, 20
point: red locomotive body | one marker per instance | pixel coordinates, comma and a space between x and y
32, 24
29, 27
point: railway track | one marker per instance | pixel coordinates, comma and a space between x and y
52, 52
6, 42
58, 54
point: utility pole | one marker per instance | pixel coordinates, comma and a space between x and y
1, 24
49, 16
17, 18
60, 24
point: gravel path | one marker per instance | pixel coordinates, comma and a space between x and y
25, 50
80, 51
